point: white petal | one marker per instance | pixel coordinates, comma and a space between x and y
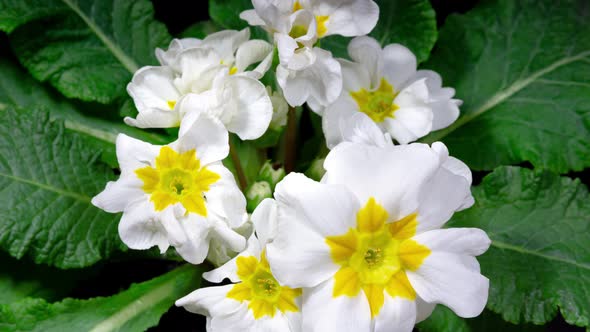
399, 65
445, 278
227, 42
322, 80
229, 269
154, 118
118, 195
423, 309
460, 241
367, 52
168, 57
307, 212
278, 323
444, 108
409, 124
210, 301
396, 315
239, 320
361, 129
204, 134
254, 108
251, 17
133, 153
224, 198
153, 88
449, 190
188, 235
354, 76
324, 313
393, 176
198, 67
140, 227
254, 51
265, 220
347, 18
329, 210
337, 114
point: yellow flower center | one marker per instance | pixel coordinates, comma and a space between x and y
260, 288
177, 178
171, 104
298, 31
375, 256
321, 21
377, 104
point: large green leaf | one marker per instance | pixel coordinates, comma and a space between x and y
17, 12
21, 91
87, 49
135, 309
19, 279
521, 68
444, 320
48, 178
539, 261
408, 22
226, 13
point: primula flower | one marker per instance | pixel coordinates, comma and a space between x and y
215, 69
255, 301
366, 243
305, 73
384, 84
178, 194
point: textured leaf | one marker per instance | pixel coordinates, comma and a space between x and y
408, 22
20, 279
90, 48
539, 260
135, 309
48, 178
522, 69
17, 12
21, 91
200, 30
226, 13
444, 320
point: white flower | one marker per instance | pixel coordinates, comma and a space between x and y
178, 194
194, 67
366, 243
234, 49
241, 103
384, 84
332, 17
305, 73
254, 301
317, 80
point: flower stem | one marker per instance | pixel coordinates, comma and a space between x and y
291, 140
238, 166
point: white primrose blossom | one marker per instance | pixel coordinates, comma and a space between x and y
366, 243
254, 301
385, 85
177, 195
307, 73
217, 70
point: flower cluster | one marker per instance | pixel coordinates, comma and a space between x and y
364, 248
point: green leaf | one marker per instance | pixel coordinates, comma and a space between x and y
19, 279
226, 13
14, 13
444, 320
539, 261
19, 90
135, 309
200, 30
411, 23
89, 49
48, 178
521, 68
